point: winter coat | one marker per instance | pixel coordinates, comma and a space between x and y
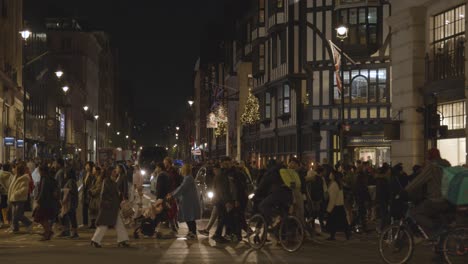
109, 205
314, 186
222, 193
60, 177
95, 196
122, 185
19, 189
336, 196
88, 182
72, 192
162, 185
48, 194
189, 203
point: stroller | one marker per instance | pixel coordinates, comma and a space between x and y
153, 217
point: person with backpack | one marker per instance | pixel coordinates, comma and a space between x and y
433, 204
46, 202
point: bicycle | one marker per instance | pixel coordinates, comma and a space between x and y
287, 230
451, 245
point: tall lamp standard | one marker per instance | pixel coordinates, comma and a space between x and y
25, 34
65, 106
107, 133
96, 117
85, 114
190, 102
342, 34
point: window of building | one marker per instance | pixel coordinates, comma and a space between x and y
261, 11
454, 115
448, 46
283, 43
274, 50
284, 99
275, 6
258, 59
359, 89
261, 59
267, 105
362, 23
363, 86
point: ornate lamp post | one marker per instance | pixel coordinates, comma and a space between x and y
342, 34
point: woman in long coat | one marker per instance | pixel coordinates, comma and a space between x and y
47, 202
189, 205
109, 212
94, 194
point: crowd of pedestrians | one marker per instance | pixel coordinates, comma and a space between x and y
341, 198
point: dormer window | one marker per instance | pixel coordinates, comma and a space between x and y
364, 29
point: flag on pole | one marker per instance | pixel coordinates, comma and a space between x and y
337, 63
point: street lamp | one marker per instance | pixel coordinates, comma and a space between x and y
118, 133
85, 108
126, 136
65, 89
96, 117
108, 124
177, 128
342, 34
59, 73
190, 102
25, 34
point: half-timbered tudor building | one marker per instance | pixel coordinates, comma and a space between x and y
293, 72
366, 73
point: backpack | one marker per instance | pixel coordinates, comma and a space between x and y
290, 178
454, 186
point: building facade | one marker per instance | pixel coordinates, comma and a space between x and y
11, 76
428, 55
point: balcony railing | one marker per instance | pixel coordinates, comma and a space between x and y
446, 64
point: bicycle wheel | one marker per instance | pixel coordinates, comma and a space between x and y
291, 234
396, 245
455, 246
258, 237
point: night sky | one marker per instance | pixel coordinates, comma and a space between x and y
158, 43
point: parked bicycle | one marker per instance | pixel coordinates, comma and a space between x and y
396, 243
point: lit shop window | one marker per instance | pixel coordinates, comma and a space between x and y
363, 86
454, 115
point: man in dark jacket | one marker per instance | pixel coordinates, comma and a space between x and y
222, 199
277, 193
162, 181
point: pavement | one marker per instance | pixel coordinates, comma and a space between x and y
26, 248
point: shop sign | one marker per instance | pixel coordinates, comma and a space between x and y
20, 143
62, 126
368, 141
9, 141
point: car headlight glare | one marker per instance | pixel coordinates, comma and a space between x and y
210, 195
